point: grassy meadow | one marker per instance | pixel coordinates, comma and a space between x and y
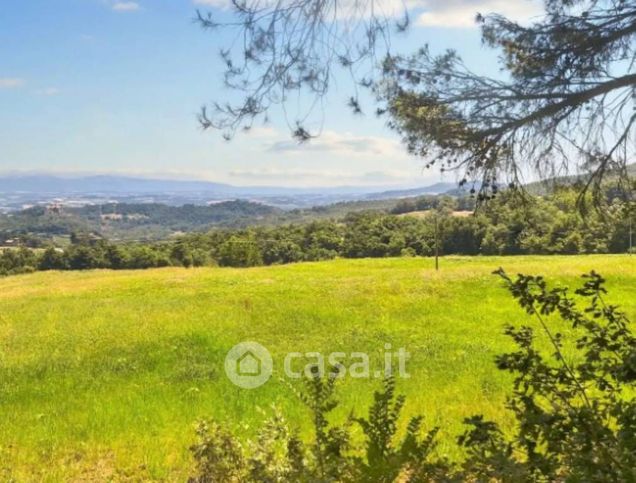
102, 374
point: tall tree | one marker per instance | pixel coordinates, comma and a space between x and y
565, 99
568, 98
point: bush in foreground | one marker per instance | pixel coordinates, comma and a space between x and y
575, 416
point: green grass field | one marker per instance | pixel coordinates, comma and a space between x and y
102, 374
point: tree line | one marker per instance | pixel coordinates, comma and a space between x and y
543, 225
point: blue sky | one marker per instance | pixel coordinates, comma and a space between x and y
107, 86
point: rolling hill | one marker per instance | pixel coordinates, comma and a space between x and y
104, 373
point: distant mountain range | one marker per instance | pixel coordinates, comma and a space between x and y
17, 192
435, 189
122, 184
100, 184
546, 186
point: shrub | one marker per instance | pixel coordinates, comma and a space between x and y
576, 418
240, 252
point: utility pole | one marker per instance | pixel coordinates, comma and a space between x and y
436, 241
631, 236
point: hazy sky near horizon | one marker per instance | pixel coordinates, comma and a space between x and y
114, 86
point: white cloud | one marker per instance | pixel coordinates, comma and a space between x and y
262, 132
48, 91
333, 158
10, 83
301, 177
462, 13
213, 3
347, 9
344, 144
126, 6
427, 13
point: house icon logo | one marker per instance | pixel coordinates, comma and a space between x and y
248, 365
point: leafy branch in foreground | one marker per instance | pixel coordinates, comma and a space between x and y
576, 416
574, 411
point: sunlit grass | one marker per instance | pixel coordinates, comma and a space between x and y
107, 371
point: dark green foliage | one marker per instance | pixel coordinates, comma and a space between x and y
117, 257
132, 221
575, 417
424, 203
143, 257
238, 251
52, 259
181, 254
277, 454
550, 225
385, 459
40, 222
15, 261
217, 454
83, 257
